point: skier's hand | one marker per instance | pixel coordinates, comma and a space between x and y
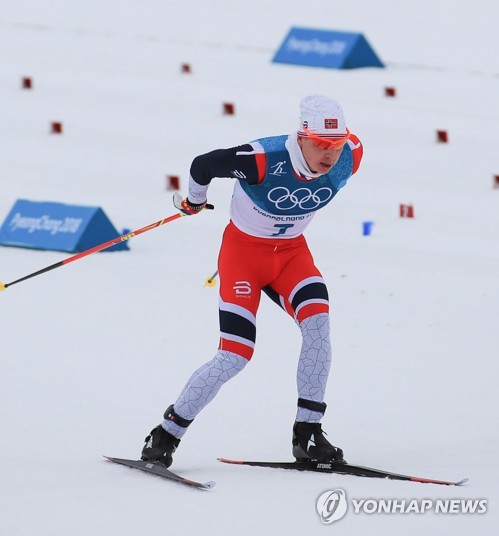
185, 206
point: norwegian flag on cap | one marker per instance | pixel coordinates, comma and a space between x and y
330, 123
322, 116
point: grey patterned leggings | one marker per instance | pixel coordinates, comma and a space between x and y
313, 371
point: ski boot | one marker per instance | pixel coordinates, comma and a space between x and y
309, 443
160, 446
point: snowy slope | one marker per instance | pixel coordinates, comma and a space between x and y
92, 353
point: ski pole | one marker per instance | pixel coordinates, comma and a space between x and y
100, 247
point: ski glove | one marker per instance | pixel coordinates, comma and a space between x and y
185, 206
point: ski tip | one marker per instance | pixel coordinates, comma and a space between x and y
226, 460
112, 458
209, 485
442, 482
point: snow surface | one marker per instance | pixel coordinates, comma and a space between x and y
92, 353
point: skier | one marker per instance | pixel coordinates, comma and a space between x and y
281, 182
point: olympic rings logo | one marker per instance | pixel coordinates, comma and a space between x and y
303, 198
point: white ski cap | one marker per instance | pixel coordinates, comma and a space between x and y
322, 117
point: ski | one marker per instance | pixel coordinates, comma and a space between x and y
343, 469
162, 471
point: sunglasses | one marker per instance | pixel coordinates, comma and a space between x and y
327, 143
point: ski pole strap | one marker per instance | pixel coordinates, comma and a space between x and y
320, 407
170, 415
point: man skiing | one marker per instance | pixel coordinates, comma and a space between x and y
281, 182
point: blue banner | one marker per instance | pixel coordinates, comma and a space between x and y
326, 48
56, 226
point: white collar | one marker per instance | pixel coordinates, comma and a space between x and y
297, 159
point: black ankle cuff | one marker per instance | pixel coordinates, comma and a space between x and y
170, 415
320, 407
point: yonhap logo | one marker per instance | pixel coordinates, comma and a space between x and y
420, 506
332, 506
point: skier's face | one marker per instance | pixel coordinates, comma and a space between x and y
319, 160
